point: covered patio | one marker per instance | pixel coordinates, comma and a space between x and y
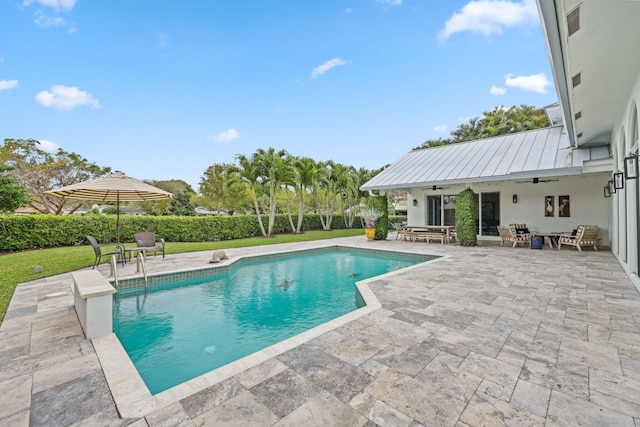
481, 336
535, 178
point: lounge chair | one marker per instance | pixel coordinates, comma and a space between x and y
586, 235
505, 234
97, 248
147, 240
514, 233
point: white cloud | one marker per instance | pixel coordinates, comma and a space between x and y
48, 146
489, 17
226, 136
54, 4
323, 68
537, 82
391, 2
66, 98
8, 84
440, 129
1, 58
497, 91
45, 21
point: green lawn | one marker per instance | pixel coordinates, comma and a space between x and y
18, 267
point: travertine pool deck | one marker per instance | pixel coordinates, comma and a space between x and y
483, 336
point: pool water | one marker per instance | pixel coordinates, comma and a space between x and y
179, 331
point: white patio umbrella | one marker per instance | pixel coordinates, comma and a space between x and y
115, 187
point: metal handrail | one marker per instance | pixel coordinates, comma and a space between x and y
114, 269
140, 260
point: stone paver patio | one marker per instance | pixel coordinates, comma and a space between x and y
483, 336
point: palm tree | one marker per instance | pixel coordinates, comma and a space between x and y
249, 172
306, 170
328, 182
274, 172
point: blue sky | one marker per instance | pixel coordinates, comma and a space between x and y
162, 90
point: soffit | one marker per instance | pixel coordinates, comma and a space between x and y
606, 54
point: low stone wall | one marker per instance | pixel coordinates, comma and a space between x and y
93, 300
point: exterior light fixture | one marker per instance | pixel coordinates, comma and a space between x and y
631, 166
607, 193
515, 198
618, 180
415, 202
612, 187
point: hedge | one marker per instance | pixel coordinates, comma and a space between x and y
20, 232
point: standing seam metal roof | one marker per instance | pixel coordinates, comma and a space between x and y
540, 152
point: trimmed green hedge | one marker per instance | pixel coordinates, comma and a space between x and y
20, 232
466, 215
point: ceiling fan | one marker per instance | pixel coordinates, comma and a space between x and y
435, 187
536, 181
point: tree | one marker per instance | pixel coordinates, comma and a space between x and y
248, 172
181, 203
273, 172
221, 190
39, 171
12, 194
328, 182
498, 121
305, 171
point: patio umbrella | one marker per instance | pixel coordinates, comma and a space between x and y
114, 187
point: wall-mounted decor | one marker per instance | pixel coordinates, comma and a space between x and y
548, 205
564, 210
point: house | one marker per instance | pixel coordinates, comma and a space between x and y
587, 160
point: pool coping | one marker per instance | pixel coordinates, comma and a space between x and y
134, 400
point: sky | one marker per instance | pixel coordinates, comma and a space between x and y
164, 89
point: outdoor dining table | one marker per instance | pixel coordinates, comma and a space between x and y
443, 228
551, 237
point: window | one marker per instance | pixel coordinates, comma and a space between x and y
449, 210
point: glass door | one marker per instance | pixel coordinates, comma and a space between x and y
434, 207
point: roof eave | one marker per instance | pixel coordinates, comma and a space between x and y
551, 30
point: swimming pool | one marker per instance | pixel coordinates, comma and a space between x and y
184, 328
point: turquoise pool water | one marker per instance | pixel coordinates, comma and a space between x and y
184, 329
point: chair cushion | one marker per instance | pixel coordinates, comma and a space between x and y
522, 230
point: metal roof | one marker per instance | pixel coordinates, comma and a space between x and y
537, 153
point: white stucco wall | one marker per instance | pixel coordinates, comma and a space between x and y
588, 204
624, 204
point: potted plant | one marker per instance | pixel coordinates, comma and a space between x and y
370, 215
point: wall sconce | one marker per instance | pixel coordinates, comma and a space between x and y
631, 166
415, 202
515, 198
618, 180
612, 187
607, 193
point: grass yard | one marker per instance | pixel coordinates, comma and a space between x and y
18, 267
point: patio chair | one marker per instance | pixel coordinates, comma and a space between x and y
97, 248
505, 234
587, 235
519, 234
147, 240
